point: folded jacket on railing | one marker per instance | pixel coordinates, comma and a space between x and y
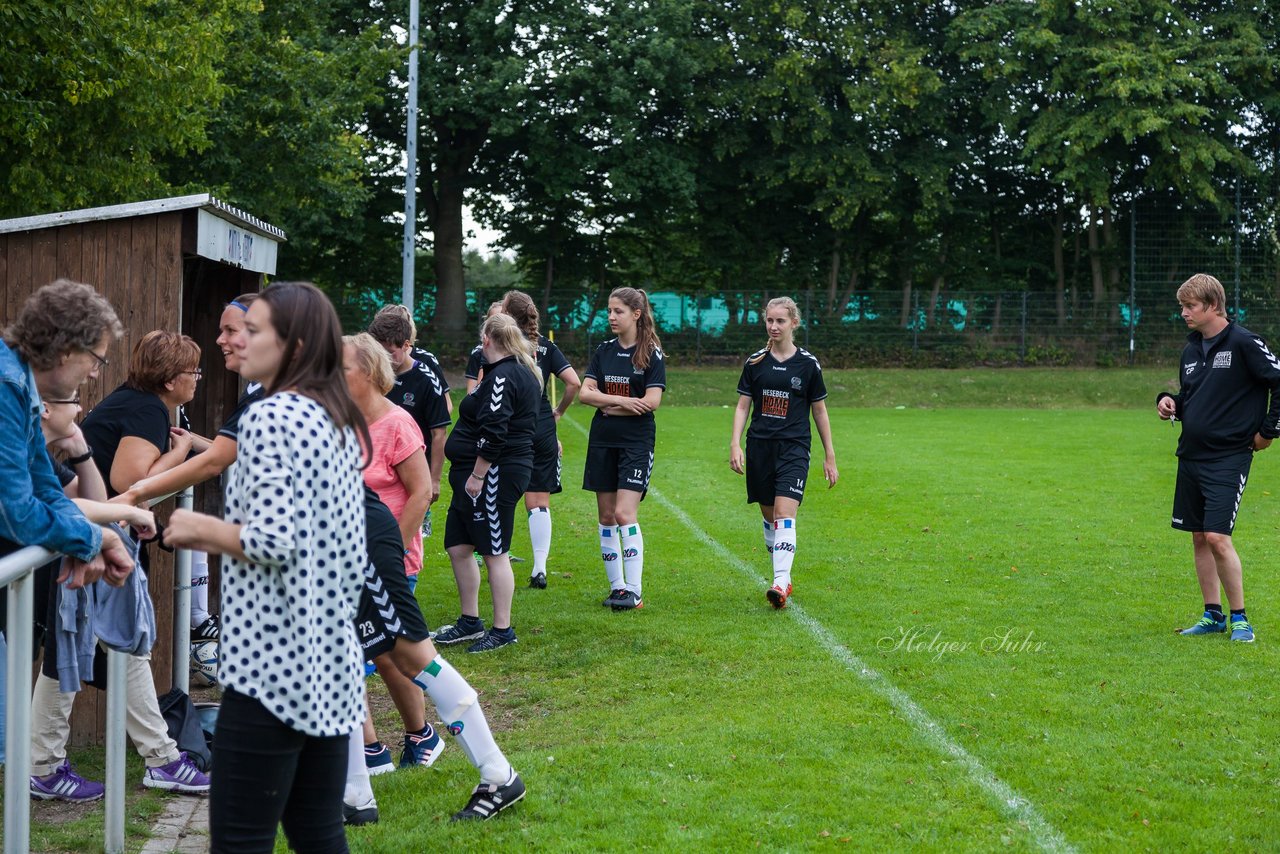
123, 618
74, 637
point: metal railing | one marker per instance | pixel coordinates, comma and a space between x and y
182, 604
15, 574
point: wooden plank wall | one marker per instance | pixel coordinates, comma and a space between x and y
139, 265
208, 288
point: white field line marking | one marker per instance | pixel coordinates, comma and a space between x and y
1044, 834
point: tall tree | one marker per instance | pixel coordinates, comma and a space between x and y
95, 93
599, 164
292, 140
1105, 100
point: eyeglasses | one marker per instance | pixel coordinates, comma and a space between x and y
103, 361
74, 401
197, 373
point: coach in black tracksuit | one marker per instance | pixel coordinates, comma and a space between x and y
1227, 376
490, 455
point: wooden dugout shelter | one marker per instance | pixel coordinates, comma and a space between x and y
164, 264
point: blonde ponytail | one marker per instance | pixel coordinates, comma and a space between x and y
502, 331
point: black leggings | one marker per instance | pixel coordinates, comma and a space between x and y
266, 774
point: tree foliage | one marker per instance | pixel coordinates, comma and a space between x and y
289, 140
724, 146
95, 94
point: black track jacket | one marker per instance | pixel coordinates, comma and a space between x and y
1223, 399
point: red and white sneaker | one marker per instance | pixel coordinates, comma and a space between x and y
777, 596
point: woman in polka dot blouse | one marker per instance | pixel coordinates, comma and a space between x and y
295, 535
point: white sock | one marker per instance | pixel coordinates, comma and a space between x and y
784, 550
611, 554
540, 537
632, 555
358, 792
199, 588
459, 707
768, 536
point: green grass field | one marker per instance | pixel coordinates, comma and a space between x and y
980, 653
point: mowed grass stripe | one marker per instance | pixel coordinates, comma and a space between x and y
1044, 834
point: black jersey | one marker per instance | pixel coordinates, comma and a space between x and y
614, 372
475, 363
497, 420
550, 360
781, 394
420, 393
552, 363
428, 363
231, 428
1223, 398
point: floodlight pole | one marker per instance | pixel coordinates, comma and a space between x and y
411, 160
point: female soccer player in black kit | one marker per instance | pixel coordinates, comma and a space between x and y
545, 479
392, 630
781, 384
490, 455
624, 381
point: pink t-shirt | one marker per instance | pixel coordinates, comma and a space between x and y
395, 438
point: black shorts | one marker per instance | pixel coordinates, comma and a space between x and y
776, 468
545, 476
612, 469
1207, 495
387, 611
486, 523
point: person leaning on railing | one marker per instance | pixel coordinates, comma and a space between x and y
52, 777
60, 338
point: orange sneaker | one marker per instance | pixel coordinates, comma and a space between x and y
777, 596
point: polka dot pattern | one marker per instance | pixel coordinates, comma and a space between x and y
288, 638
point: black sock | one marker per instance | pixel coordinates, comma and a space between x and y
426, 729
1214, 610
1237, 612
469, 621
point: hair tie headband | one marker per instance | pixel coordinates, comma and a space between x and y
240, 306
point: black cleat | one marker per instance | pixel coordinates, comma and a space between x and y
625, 600
489, 799
356, 816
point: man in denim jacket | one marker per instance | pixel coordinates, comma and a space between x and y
61, 335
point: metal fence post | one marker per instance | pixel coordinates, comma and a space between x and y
1237, 247
698, 359
808, 316
1022, 334
1133, 282
117, 686
915, 322
182, 607
17, 737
